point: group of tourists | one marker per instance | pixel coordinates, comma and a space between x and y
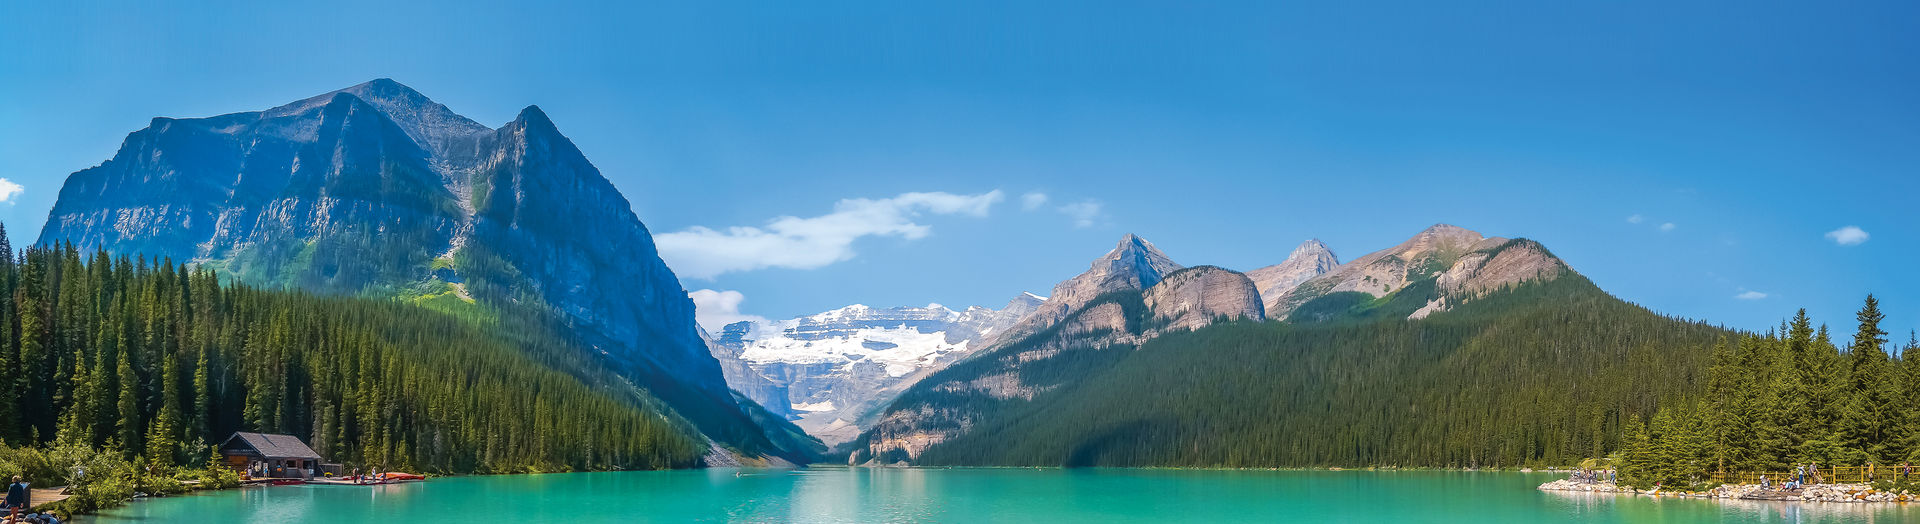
1590, 476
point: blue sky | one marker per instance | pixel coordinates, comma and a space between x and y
1226, 133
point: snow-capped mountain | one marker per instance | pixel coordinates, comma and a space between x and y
827, 370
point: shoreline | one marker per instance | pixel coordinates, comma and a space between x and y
1841, 493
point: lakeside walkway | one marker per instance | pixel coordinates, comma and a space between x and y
45, 496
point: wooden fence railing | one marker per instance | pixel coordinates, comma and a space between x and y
1824, 475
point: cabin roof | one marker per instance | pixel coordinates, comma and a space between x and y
272, 446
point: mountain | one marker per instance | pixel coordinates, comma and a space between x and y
376, 190
1131, 294
1471, 351
1132, 264
1311, 259
1435, 270
829, 370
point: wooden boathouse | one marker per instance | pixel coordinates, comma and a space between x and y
268, 455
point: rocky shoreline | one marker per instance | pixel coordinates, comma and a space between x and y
1813, 493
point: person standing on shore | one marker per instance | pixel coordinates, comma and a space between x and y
17, 498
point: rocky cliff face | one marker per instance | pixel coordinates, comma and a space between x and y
1195, 297
1421, 257
827, 371
1488, 270
375, 189
1458, 262
1311, 259
1133, 264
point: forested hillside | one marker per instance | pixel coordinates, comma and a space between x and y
153, 360
1545, 372
1782, 399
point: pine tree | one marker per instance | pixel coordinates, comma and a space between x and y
130, 422
1727, 418
76, 426
1907, 435
1871, 404
36, 359
1637, 454
202, 397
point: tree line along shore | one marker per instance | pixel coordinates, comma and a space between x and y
117, 375
1784, 411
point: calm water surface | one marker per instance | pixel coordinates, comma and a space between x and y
970, 496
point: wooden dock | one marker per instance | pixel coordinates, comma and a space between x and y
45, 496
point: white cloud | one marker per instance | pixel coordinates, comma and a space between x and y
1635, 219
1848, 236
715, 309
10, 189
1032, 201
1750, 295
1084, 213
811, 242
1667, 227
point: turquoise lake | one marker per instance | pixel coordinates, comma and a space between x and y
971, 495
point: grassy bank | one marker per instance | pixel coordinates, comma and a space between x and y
100, 479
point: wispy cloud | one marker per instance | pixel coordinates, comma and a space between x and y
1032, 201
10, 189
1848, 236
1084, 213
1750, 295
715, 309
1669, 226
812, 242
1635, 219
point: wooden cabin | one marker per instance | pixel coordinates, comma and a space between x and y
267, 455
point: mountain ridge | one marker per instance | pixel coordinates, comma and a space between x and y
1435, 270
377, 190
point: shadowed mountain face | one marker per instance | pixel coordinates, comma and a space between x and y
377, 190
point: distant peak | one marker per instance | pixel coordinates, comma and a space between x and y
384, 84
534, 117
1131, 242
1447, 229
387, 90
1029, 294
1312, 245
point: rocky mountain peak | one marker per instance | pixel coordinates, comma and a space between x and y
1134, 259
431, 125
1313, 247
1025, 303
533, 116
1310, 259
1442, 238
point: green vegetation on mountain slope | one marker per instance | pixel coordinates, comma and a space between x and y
1546, 372
158, 361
